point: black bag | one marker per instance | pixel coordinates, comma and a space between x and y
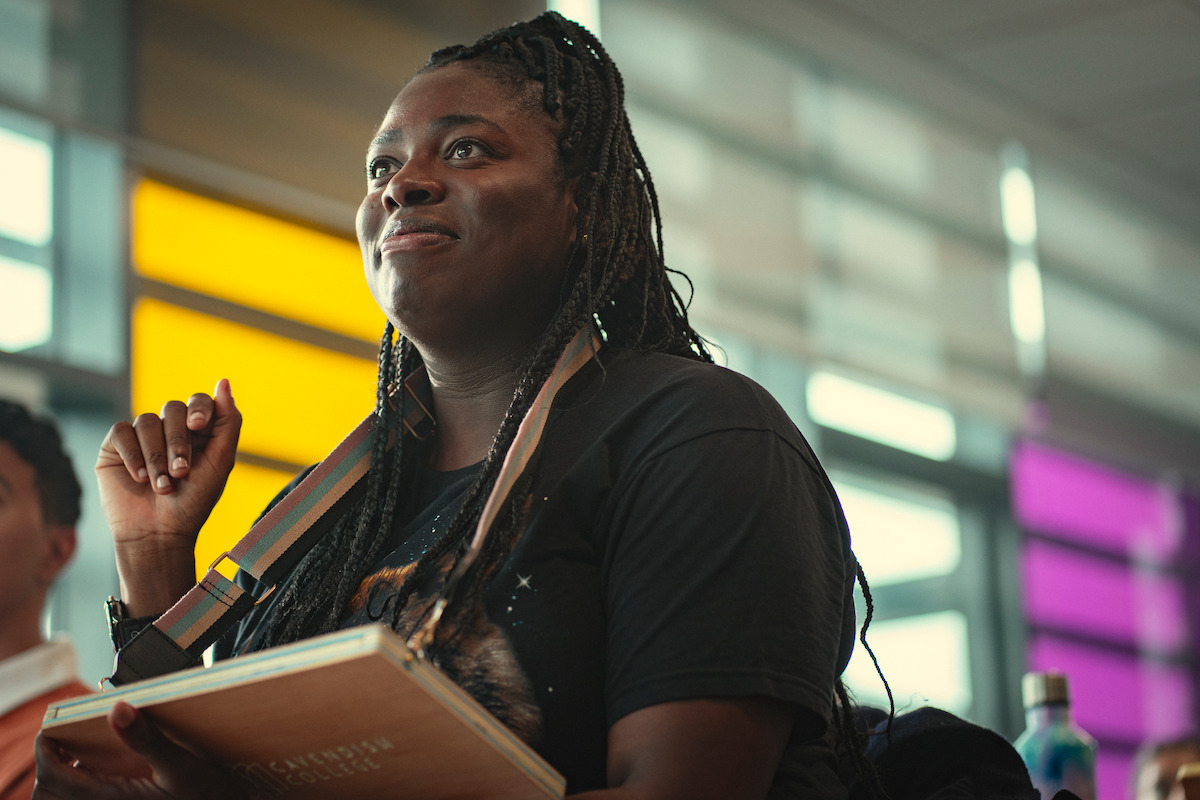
934, 755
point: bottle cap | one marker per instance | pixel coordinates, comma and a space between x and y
1043, 688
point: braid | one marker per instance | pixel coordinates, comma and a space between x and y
616, 278
323, 582
862, 637
617, 262
851, 740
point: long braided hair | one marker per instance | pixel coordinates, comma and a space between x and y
616, 279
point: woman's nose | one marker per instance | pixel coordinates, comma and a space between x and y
412, 185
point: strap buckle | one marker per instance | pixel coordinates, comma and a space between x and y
225, 555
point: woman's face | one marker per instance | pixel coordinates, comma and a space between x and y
467, 221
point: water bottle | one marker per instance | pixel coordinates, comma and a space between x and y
1057, 753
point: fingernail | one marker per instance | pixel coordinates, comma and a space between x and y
163, 482
142, 474
123, 715
179, 463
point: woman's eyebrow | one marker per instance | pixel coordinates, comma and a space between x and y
386, 137
457, 120
393, 135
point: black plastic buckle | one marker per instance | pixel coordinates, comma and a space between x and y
149, 654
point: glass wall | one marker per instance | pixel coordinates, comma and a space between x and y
26, 229
840, 236
63, 103
817, 215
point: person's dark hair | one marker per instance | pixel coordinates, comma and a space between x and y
38, 444
616, 279
850, 730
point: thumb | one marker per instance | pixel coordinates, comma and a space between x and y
146, 739
178, 772
227, 425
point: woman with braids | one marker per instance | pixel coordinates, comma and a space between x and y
655, 591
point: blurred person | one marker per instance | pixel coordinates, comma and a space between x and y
1157, 764
662, 604
39, 507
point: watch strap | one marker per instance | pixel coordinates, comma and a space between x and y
121, 627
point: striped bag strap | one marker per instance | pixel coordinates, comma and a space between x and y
277, 542
269, 551
518, 458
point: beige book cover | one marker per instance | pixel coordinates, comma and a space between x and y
348, 714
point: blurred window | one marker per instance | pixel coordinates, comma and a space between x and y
267, 304
252, 259
880, 415
25, 49
26, 193
298, 400
925, 659
25, 305
899, 539
904, 536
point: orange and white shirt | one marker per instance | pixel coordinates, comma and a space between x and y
29, 682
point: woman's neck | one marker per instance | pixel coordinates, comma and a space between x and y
469, 404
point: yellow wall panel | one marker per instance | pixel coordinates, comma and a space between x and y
251, 259
249, 490
297, 401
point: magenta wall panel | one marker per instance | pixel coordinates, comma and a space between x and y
1107, 564
1069, 590
1077, 500
1112, 776
1117, 696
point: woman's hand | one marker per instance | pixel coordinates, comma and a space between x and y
159, 479
175, 771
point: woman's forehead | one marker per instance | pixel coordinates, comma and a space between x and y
463, 89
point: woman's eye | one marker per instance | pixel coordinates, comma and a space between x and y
466, 149
378, 169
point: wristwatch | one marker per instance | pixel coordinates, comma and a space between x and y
121, 627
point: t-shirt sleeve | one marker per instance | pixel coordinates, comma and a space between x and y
726, 575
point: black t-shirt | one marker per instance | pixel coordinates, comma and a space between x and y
682, 542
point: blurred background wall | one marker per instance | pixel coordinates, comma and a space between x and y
960, 242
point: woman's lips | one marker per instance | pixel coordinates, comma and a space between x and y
414, 233
414, 241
